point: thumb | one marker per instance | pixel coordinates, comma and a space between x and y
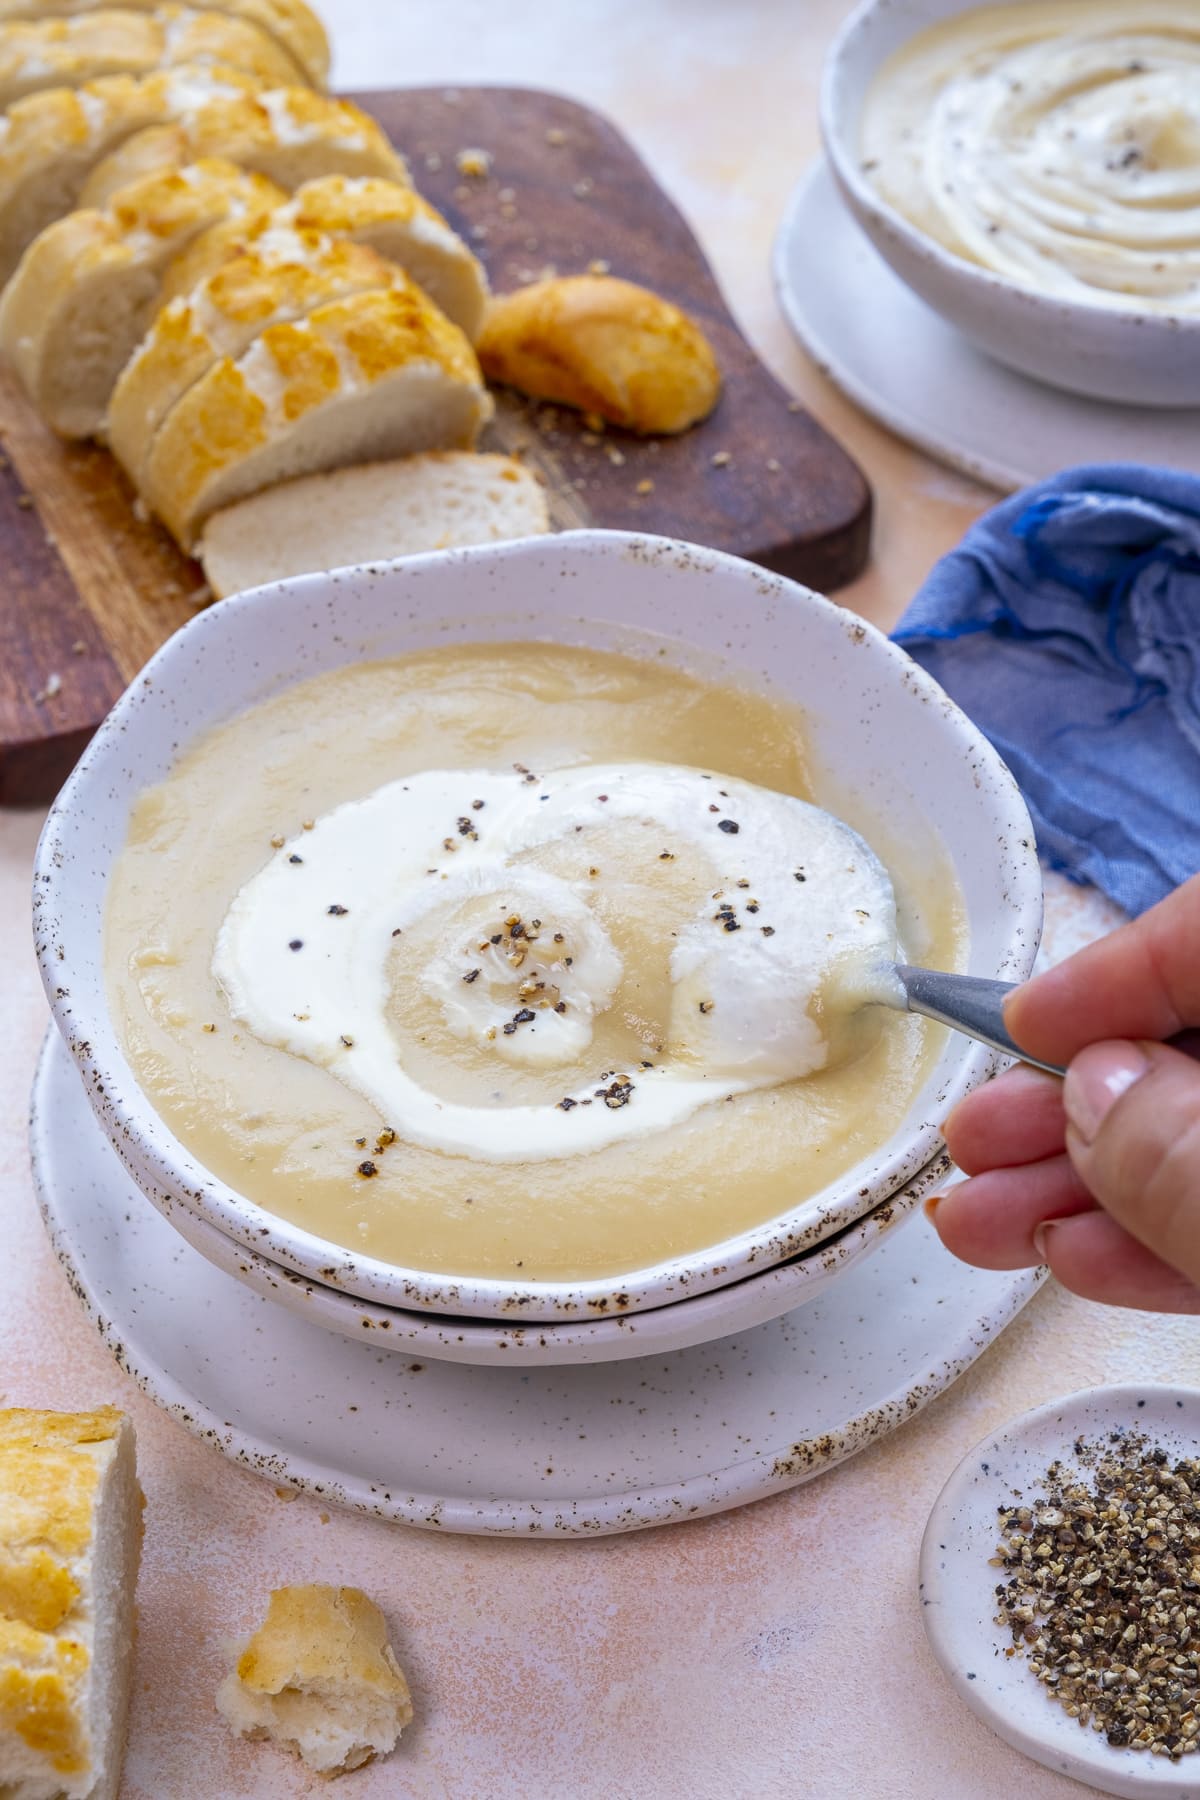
1133, 1135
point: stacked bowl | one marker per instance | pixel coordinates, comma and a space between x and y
883, 740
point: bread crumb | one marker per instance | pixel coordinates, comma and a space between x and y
282, 1493
433, 162
79, 648
320, 1678
141, 511
774, 465
475, 164
583, 188
795, 406
555, 137
25, 502
721, 459
644, 487
599, 265
479, 231
616, 457
51, 691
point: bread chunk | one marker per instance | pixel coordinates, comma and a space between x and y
291, 23
46, 53
380, 374
291, 135
320, 1678
87, 289
605, 346
287, 277
389, 217
70, 1537
439, 501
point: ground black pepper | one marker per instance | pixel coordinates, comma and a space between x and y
1103, 1592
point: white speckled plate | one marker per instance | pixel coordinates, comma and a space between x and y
552, 1452
958, 1587
59, 1096
893, 356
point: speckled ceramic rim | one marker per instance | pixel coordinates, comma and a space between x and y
701, 1320
839, 104
792, 1463
1042, 1730
211, 668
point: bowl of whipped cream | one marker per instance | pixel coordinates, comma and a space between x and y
1032, 171
499, 933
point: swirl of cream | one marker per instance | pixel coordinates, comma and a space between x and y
1057, 145
799, 918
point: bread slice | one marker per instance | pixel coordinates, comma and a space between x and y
392, 219
441, 500
85, 292
320, 1678
291, 23
70, 1537
290, 135
381, 374
68, 52
289, 275
50, 141
605, 346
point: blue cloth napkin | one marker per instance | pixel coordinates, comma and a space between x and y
1067, 626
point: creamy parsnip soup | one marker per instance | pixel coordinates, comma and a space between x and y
518, 961
1056, 142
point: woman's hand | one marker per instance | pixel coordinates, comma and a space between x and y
1097, 1175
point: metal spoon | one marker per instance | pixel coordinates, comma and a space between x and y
973, 1006
966, 1003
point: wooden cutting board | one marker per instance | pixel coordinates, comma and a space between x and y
90, 590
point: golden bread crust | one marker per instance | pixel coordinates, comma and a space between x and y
605, 346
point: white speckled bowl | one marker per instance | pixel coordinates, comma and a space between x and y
1142, 358
886, 743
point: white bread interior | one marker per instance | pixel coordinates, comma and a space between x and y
441, 500
70, 1539
292, 23
320, 1679
86, 290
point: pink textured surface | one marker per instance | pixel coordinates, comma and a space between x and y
774, 1651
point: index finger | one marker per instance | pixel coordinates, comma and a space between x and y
1142, 981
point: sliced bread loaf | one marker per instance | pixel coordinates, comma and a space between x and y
70, 1536
291, 23
50, 141
289, 134
382, 374
442, 500
320, 1678
287, 277
86, 290
68, 52
392, 219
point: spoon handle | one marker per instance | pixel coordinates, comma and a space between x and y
968, 1004
975, 1007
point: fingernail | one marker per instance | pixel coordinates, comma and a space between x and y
931, 1206
1095, 1082
1041, 1237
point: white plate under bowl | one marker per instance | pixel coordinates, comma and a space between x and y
69, 1147
562, 1452
898, 360
887, 749
958, 1588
